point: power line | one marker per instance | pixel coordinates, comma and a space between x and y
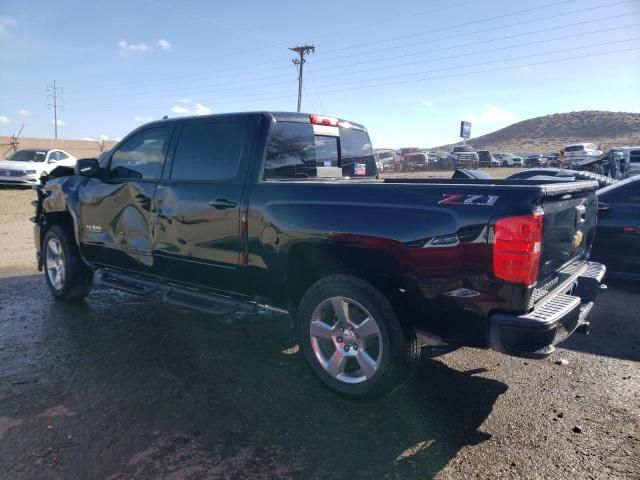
57, 100
489, 29
146, 85
278, 95
481, 42
393, 66
492, 50
465, 24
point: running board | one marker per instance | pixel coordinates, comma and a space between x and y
213, 304
174, 294
127, 283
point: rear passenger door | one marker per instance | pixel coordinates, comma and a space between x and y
199, 232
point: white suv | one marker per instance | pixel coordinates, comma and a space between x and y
580, 151
28, 166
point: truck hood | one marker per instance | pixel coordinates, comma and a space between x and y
11, 165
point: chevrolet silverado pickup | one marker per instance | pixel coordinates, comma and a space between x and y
285, 211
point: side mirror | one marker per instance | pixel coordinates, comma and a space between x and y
87, 167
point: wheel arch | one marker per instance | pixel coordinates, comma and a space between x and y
310, 262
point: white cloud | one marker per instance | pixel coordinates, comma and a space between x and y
492, 115
527, 69
117, 139
6, 23
24, 112
60, 123
427, 103
202, 110
198, 108
104, 136
4, 120
142, 119
125, 47
165, 45
88, 139
179, 109
185, 100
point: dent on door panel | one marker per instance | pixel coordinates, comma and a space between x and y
119, 215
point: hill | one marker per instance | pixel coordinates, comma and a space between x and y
552, 132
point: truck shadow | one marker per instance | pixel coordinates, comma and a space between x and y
134, 371
614, 324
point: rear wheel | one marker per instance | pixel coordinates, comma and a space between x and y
352, 337
67, 276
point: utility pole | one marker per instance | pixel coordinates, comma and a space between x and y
55, 101
299, 63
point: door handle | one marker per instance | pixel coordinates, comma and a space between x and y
222, 204
141, 198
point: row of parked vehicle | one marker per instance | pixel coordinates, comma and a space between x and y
460, 156
621, 162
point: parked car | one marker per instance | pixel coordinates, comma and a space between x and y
438, 160
559, 174
283, 211
384, 159
632, 160
28, 166
413, 158
617, 242
509, 160
463, 156
536, 160
580, 151
485, 159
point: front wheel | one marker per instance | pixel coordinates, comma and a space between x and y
67, 276
352, 338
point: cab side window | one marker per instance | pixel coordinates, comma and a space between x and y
627, 194
140, 157
209, 151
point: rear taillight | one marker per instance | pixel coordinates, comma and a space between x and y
517, 248
323, 120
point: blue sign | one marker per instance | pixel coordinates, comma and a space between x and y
465, 130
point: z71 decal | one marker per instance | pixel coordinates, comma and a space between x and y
464, 199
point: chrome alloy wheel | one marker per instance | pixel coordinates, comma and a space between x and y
346, 340
55, 263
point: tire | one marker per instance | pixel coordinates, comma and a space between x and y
505, 164
66, 275
343, 359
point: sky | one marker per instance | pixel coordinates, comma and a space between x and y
408, 70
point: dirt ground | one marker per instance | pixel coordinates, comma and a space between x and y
121, 387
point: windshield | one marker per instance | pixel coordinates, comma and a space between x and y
404, 151
574, 148
28, 156
463, 148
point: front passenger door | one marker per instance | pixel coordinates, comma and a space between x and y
116, 210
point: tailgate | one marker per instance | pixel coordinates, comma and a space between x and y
569, 226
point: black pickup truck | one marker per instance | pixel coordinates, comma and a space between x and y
285, 211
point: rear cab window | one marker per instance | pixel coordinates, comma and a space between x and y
299, 150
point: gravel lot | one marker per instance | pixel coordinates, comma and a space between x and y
122, 387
